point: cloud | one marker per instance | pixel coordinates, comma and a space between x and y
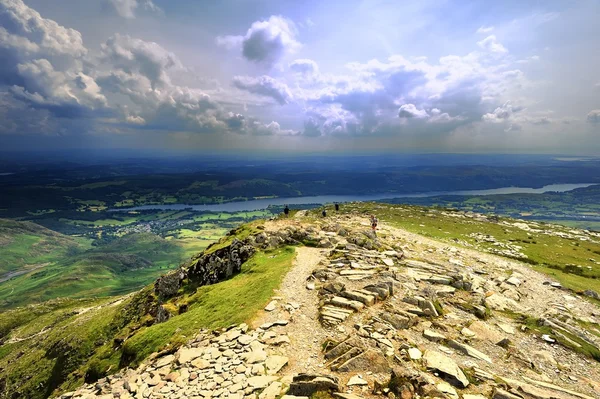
304, 67
265, 41
410, 111
485, 29
139, 56
502, 113
492, 45
264, 86
43, 64
594, 116
128, 8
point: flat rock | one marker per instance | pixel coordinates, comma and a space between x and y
275, 363
271, 306
272, 391
186, 355
507, 328
433, 336
261, 381
447, 389
201, 364
356, 380
346, 395
414, 354
388, 262
513, 281
163, 361
467, 333
499, 302
444, 364
469, 350
245, 339
469, 396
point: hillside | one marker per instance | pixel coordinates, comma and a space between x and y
577, 208
438, 304
37, 264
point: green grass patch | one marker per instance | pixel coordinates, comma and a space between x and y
233, 301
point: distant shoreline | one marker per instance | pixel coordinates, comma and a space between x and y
253, 205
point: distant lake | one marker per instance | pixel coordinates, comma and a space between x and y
254, 205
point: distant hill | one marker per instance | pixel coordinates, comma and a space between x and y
38, 264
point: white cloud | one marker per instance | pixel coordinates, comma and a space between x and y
594, 116
265, 41
43, 63
492, 45
138, 56
264, 86
502, 113
485, 29
304, 67
128, 8
410, 111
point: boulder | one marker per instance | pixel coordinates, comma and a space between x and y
371, 360
307, 384
447, 366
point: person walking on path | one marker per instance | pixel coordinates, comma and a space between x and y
374, 224
324, 213
337, 207
286, 211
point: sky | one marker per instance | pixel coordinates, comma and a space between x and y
286, 75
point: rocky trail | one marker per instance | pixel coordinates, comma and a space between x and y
394, 314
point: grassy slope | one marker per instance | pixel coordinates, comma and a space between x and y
24, 245
547, 253
72, 268
75, 346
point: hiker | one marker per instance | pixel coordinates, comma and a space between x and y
337, 207
374, 223
286, 211
324, 213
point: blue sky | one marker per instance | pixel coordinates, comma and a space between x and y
427, 76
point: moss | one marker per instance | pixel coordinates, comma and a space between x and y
438, 307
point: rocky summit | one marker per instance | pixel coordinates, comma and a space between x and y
387, 314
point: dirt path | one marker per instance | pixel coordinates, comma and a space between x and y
304, 329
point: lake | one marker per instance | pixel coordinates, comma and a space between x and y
326, 199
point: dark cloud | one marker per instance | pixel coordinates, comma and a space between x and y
266, 41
